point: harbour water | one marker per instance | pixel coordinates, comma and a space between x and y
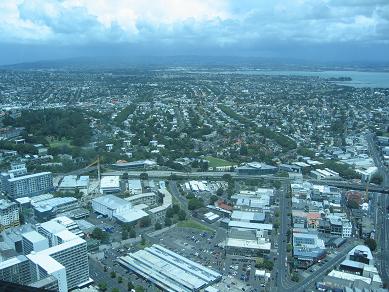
359, 78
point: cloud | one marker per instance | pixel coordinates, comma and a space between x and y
246, 24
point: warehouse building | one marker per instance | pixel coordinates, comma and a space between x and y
110, 205
72, 183
47, 209
109, 185
134, 186
256, 168
169, 270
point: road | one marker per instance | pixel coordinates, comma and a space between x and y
377, 157
382, 238
381, 213
163, 174
319, 273
281, 266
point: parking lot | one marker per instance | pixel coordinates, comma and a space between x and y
203, 247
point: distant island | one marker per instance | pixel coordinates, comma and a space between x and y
337, 79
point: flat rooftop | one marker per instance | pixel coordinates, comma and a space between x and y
33, 236
249, 225
110, 182
29, 176
111, 201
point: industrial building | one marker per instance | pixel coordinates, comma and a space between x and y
140, 164
110, 205
116, 208
249, 225
72, 183
169, 270
307, 249
253, 217
47, 209
134, 186
241, 241
109, 185
256, 168
9, 214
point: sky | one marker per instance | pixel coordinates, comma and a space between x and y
315, 30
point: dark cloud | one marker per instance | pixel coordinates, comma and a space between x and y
251, 27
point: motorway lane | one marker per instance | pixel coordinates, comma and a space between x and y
282, 277
377, 157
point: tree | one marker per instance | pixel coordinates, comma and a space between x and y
105, 268
115, 290
157, 226
125, 176
295, 277
132, 233
195, 203
168, 221
181, 215
371, 243
99, 234
145, 222
352, 204
120, 280
276, 224
243, 150
144, 176
377, 179
124, 234
227, 177
289, 247
143, 241
175, 208
213, 199
130, 286
219, 192
170, 213
102, 286
113, 274
139, 289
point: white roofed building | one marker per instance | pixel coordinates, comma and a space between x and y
110, 184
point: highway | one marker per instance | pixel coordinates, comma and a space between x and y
377, 157
163, 174
281, 265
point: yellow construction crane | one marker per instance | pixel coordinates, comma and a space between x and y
98, 168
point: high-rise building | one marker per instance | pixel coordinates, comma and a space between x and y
56, 258
9, 214
26, 185
34, 241
16, 270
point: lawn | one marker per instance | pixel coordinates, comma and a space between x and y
58, 143
193, 224
217, 162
